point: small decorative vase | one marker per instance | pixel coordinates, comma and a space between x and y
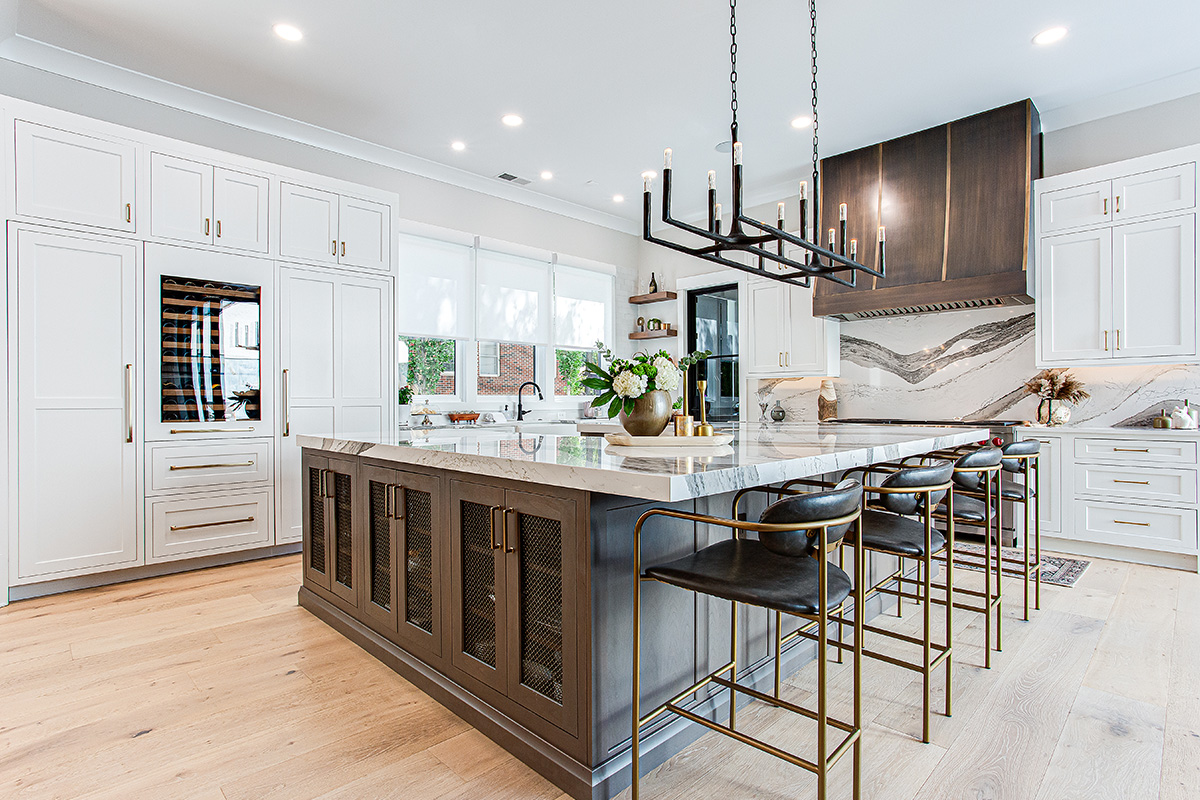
651, 413
777, 413
1051, 415
404, 415
1060, 415
826, 402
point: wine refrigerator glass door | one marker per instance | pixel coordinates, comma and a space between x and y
209, 319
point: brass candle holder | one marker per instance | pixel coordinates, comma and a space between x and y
703, 429
684, 422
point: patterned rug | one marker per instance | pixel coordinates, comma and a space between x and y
1056, 570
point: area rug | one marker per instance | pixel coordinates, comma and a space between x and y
1056, 570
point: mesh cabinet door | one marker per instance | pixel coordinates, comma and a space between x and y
419, 557
316, 539
341, 530
378, 503
477, 583
543, 578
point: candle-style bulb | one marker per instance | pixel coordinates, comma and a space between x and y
712, 179
646, 183
717, 212
781, 209
842, 212
737, 153
832, 238
803, 190
854, 249
882, 235
667, 158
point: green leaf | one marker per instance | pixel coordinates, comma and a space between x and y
605, 398
629, 405
596, 369
614, 408
595, 383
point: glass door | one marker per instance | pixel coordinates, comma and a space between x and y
713, 325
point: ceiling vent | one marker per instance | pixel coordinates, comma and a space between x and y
929, 308
507, 176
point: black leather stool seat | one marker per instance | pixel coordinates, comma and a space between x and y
1013, 490
746, 572
892, 533
970, 509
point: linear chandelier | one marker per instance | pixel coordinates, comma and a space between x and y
762, 241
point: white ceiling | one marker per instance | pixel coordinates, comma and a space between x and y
604, 86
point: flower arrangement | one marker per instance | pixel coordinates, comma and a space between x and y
626, 380
1056, 384
405, 395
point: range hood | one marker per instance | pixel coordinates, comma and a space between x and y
955, 200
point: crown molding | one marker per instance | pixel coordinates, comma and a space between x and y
1150, 93
74, 66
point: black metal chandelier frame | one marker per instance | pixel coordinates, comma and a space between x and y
820, 262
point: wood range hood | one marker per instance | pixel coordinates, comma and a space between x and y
955, 200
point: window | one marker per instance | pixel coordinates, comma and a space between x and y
489, 359
427, 365
568, 372
514, 364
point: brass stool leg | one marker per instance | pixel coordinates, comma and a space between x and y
778, 651
859, 599
733, 633
822, 667
637, 652
900, 600
999, 564
949, 664
927, 610
1028, 530
1037, 530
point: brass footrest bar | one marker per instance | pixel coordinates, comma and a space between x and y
784, 704
941, 601
711, 678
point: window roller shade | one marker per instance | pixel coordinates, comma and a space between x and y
435, 297
512, 299
583, 307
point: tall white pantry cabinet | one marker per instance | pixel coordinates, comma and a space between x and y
172, 326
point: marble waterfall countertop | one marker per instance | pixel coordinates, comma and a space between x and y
760, 454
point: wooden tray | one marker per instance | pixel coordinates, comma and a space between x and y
625, 440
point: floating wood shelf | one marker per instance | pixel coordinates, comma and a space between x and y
657, 297
653, 334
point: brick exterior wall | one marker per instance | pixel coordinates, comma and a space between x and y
516, 367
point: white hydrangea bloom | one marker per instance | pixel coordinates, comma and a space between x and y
627, 385
669, 375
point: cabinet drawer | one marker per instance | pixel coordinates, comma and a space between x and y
174, 467
182, 527
1147, 451
1152, 527
1137, 483
1156, 192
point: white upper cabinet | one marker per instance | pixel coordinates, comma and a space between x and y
785, 338
75, 177
1121, 285
195, 202
328, 228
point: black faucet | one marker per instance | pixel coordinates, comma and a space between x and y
520, 409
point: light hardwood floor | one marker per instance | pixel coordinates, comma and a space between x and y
215, 685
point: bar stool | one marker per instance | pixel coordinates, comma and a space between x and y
788, 570
888, 526
1023, 458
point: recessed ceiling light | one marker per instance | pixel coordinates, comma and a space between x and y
1050, 35
618, 198
288, 32
547, 174
801, 122
459, 146
511, 120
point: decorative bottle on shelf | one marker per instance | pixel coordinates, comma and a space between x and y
653, 284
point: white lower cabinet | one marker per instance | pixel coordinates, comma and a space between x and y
73, 317
194, 525
173, 468
1125, 524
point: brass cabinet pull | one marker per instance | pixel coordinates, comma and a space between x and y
335, 247
506, 512
1106, 341
283, 399
397, 501
1126, 522
787, 358
1131, 450
211, 524
1106, 206
175, 467
343, 249
129, 212
1139, 483
1117, 334
128, 403
492, 525
328, 483
218, 229
1118, 208
388, 500
212, 430
206, 225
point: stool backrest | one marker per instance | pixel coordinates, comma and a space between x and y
841, 501
985, 457
937, 473
1025, 447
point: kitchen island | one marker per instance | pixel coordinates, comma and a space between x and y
493, 569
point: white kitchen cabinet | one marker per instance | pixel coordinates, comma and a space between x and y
1075, 207
75, 177
195, 202
786, 340
1075, 296
73, 312
1154, 289
336, 371
329, 228
1159, 191
191, 525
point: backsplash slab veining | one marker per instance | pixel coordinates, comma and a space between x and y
969, 364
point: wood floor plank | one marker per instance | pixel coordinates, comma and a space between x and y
1181, 752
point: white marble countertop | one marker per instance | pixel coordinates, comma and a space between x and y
760, 454
1098, 430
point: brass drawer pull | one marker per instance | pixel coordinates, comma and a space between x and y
492, 525
129, 212
210, 524
506, 512
212, 430
176, 467
1131, 450
1139, 524
218, 229
1139, 483
206, 226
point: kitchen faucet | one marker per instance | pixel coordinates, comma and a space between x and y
520, 408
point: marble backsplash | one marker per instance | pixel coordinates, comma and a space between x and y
968, 364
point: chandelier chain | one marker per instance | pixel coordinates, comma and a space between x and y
812, 13
733, 99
